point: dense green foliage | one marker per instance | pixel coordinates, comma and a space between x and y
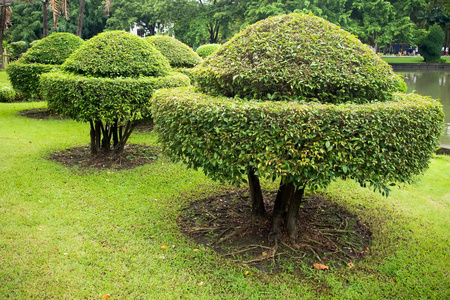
94, 98
115, 54
376, 143
178, 54
298, 57
52, 50
44, 56
430, 47
25, 77
206, 50
27, 20
108, 81
7, 93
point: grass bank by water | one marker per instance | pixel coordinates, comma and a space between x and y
67, 233
409, 60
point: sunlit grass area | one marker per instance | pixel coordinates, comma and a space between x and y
4, 77
69, 233
409, 59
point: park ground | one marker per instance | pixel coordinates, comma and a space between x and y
71, 232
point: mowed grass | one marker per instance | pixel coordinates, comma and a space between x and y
80, 234
4, 77
409, 60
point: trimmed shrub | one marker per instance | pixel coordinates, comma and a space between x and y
112, 90
99, 57
24, 78
17, 48
7, 93
347, 121
179, 55
52, 50
430, 46
377, 143
206, 50
45, 55
189, 72
312, 60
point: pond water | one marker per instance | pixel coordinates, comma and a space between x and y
435, 84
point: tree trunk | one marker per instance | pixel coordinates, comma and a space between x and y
292, 215
94, 150
2, 33
258, 210
279, 209
45, 18
80, 17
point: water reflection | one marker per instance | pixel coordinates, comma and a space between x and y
435, 84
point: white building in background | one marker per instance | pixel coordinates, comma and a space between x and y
160, 29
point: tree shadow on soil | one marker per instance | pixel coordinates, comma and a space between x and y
330, 236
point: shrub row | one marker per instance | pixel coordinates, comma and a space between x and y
24, 77
377, 143
92, 98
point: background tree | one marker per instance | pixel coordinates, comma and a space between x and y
430, 46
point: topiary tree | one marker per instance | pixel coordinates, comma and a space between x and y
430, 46
179, 55
206, 50
338, 112
45, 55
108, 82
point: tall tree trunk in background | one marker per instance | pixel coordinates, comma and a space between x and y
45, 18
2, 32
80, 17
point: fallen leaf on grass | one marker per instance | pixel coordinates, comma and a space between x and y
350, 265
106, 296
201, 283
163, 247
195, 250
321, 267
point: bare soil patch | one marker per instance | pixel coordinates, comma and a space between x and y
132, 156
330, 236
40, 114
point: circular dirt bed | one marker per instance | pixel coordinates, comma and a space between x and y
330, 236
132, 156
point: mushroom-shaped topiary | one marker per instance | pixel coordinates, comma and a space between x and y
42, 57
179, 55
303, 58
108, 82
338, 115
206, 50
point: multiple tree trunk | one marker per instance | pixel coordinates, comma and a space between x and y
285, 210
102, 135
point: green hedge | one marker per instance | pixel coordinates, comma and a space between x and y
377, 143
7, 93
93, 98
178, 54
117, 54
24, 77
52, 50
206, 50
298, 57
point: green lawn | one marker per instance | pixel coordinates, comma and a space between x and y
75, 234
3, 77
408, 60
